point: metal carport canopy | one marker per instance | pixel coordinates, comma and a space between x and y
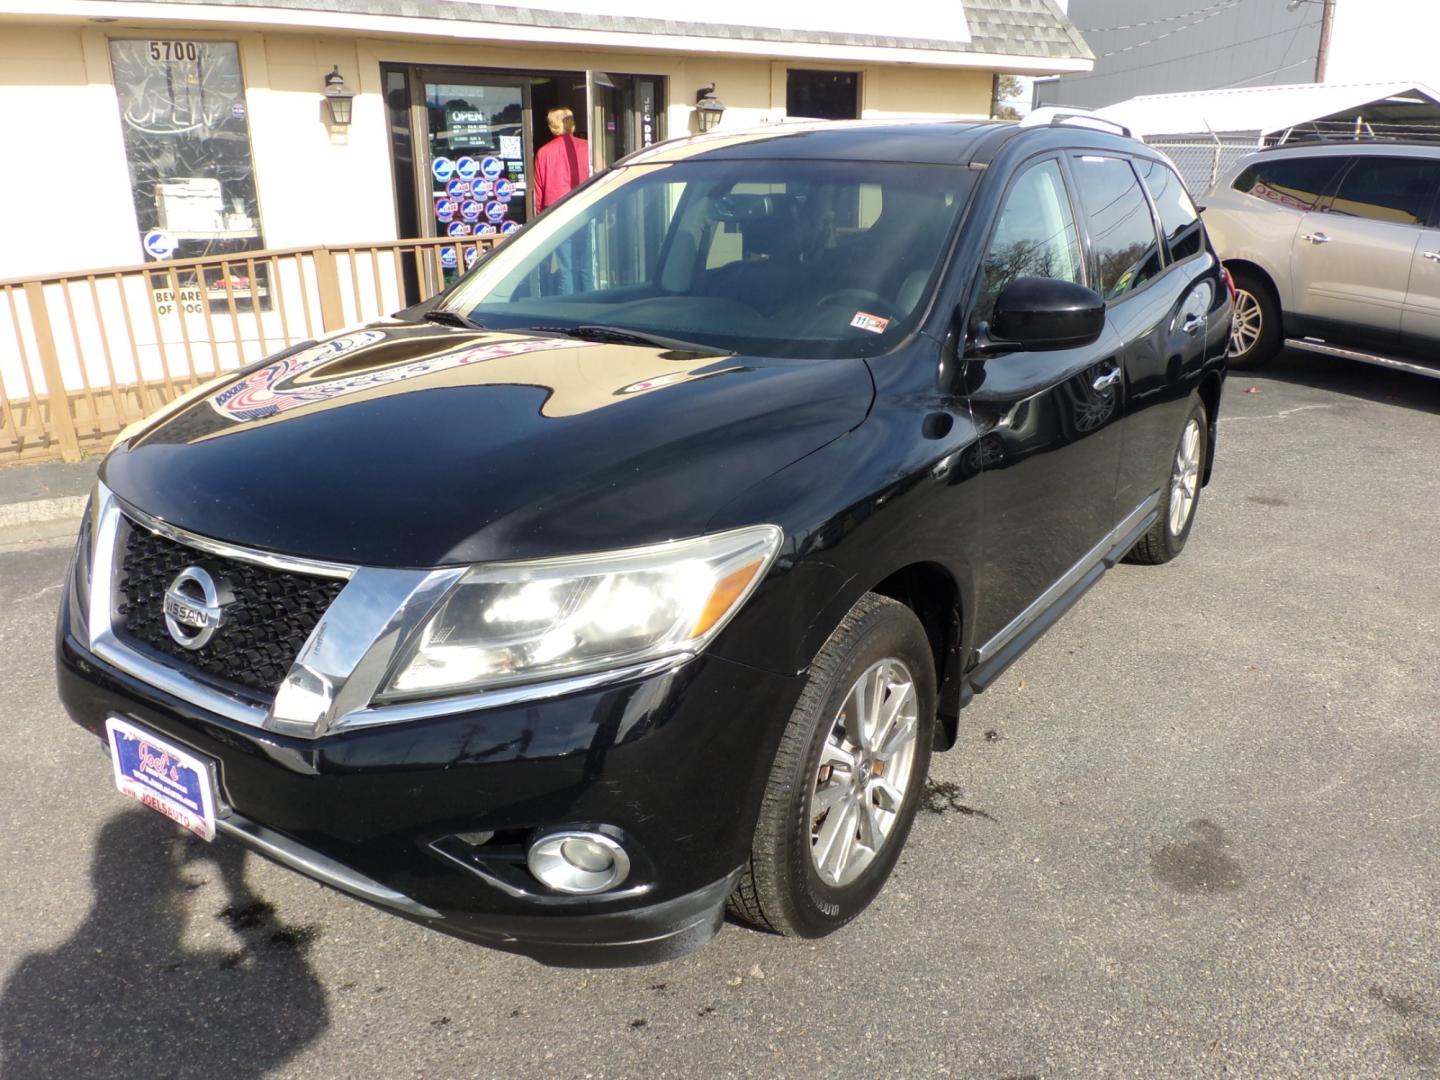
1268, 110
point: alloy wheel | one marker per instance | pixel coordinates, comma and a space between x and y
1246, 323
1185, 478
865, 769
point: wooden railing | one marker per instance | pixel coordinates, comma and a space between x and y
85, 353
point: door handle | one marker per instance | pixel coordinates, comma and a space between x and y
1433, 256
1109, 379
1316, 238
1193, 324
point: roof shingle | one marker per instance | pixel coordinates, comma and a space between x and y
1024, 28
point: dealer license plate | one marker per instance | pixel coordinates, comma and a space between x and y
171, 781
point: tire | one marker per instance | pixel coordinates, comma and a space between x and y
786, 887
1255, 333
1164, 540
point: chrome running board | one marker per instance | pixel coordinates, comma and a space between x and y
1363, 357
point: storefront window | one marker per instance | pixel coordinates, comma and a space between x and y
187, 141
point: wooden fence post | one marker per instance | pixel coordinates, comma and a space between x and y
327, 281
61, 423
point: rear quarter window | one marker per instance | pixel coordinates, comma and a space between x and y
1178, 217
1295, 183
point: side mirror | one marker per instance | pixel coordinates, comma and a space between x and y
1042, 314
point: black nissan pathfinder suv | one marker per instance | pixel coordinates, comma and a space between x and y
560, 620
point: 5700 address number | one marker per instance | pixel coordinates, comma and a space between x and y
175, 50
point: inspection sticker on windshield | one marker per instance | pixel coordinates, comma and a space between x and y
872, 323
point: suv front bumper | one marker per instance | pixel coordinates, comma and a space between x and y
431, 819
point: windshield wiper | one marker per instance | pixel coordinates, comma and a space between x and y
620, 336
446, 317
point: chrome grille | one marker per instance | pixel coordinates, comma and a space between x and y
272, 615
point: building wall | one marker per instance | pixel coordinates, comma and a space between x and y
1169, 46
66, 188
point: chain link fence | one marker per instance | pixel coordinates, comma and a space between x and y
1201, 159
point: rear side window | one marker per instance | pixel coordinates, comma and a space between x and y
1297, 183
1179, 220
1397, 190
1122, 232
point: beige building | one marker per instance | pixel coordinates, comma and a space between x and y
182, 128
256, 173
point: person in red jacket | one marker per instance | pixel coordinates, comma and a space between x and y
562, 165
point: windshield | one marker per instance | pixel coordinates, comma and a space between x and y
773, 258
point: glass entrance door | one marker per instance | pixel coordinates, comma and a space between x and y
463, 145
478, 161
623, 115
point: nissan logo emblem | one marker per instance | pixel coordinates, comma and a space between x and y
194, 608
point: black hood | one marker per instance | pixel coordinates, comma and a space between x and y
406, 445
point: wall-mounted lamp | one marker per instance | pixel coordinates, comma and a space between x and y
708, 108
338, 98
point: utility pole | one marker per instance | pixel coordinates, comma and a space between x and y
1322, 54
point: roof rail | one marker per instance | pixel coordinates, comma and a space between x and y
1051, 116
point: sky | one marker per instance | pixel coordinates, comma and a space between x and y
1385, 41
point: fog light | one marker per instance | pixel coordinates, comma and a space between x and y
578, 862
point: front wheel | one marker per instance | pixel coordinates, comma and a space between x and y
1166, 538
847, 778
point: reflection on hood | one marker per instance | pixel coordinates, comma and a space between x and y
273, 389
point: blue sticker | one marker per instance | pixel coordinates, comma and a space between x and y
504, 190
447, 258
458, 228
445, 209
509, 227
466, 168
471, 254
485, 230
496, 211
470, 210
160, 245
458, 189
483, 189
491, 168
443, 168
237, 111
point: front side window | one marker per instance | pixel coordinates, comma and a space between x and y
1295, 183
187, 142
777, 258
1179, 219
1034, 236
1122, 232
1397, 190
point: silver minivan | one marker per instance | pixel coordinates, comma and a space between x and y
1334, 248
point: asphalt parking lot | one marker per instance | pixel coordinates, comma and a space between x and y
1194, 832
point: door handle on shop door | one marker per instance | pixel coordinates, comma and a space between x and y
1109, 379
1316, 238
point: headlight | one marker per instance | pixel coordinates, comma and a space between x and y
507, 623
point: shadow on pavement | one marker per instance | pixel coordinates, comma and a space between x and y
1371, 382
123, 997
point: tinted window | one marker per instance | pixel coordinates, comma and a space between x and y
1396, 190
1034, 237
1122, 232
1294, 182
1178, 218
